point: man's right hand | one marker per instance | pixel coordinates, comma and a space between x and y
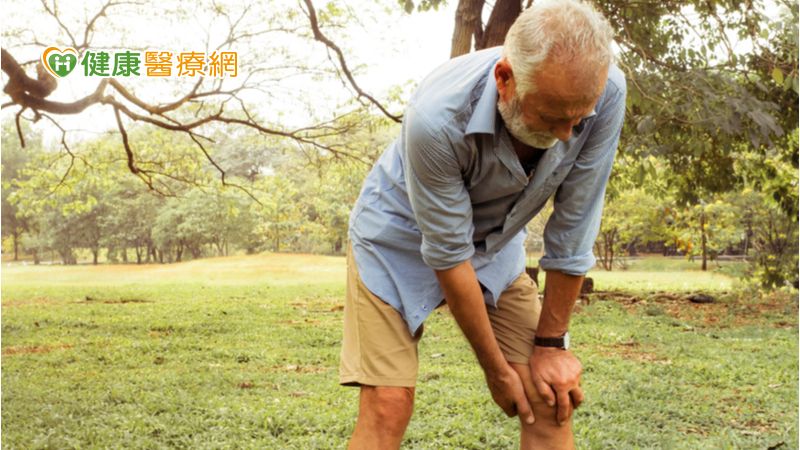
464, 297
508, 393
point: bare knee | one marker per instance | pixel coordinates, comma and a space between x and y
387, 407
546, 432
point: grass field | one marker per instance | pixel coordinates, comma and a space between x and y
242, 352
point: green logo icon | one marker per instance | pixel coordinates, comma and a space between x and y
60, 62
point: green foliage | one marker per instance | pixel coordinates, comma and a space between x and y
632, 217
422, 5
14, 158
707, 228
773, 237
275, 200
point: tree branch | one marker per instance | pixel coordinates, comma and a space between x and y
318, 35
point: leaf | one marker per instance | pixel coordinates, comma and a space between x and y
777, 75
788, 82
646, 125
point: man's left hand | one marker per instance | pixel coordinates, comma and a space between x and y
556, 374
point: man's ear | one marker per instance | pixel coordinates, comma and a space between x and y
504, 78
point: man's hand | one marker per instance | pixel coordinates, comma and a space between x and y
464, 297
556, 374
509, 394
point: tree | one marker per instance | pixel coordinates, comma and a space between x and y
633, 217
14, 158
772, 236
200, 108
706, 229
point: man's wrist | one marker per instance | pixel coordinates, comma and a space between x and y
560, 342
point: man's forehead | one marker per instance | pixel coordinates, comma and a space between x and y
568, 86
553, 107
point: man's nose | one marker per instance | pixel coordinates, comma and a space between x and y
563, 131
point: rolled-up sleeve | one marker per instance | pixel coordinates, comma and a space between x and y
438, 197
572, 228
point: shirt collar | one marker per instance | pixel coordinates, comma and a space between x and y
485, 111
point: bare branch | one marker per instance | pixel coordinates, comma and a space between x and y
156, 110
144, 176
318, 35
54, 12
131, 163
222, 171
19, 128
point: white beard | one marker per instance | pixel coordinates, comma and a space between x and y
511, 112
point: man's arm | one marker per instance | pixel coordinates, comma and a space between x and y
556, 372
443, 210
465, 300
569, 239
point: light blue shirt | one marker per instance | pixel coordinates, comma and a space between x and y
451, 188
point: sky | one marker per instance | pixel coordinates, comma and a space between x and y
385, 47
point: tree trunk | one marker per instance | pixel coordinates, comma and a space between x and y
138, 254
125, 255
468, 22
611, 251
95, 252
36, 257
503, 15
703, 239
337, 247
15, 235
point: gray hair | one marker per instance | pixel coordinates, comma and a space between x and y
564, 30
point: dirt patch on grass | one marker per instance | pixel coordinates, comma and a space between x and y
754, 427
726, 311
301, 322
299, 369
27, 349
323, 304
112, 301
633, 351
157, 332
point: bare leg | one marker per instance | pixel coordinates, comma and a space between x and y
383, 415
545, 433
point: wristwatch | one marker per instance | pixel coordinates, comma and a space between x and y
561, 342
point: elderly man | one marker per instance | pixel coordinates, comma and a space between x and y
487, 139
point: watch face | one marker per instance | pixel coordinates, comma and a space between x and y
566, 341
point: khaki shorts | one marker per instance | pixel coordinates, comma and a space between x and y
378, 349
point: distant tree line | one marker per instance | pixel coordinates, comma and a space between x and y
291, 204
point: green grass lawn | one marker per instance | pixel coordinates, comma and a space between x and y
242, 352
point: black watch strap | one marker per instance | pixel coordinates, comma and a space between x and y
561, 342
